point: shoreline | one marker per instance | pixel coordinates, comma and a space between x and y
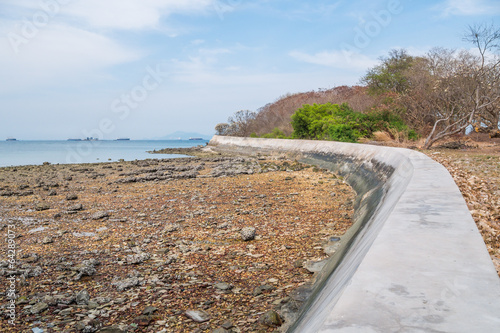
82, 152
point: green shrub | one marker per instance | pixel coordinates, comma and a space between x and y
275, 134
341, 123
344, 133
413, 135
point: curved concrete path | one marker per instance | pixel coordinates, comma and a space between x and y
415, 262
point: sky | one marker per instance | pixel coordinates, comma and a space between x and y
146, 68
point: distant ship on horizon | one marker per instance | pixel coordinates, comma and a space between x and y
123, 139
195, 138
11, 139
86, 139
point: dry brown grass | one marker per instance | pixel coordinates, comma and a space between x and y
382, 136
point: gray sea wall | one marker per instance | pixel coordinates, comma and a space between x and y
414, 260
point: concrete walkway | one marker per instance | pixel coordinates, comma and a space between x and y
416, 261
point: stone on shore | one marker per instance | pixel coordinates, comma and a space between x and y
198, 316
271, 318
100, 215
39, 307
82, 298
41, 206
247, 233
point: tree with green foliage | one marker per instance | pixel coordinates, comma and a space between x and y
390, 75
341, 123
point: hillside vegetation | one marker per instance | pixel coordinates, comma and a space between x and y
435, 96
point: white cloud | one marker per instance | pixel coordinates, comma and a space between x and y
468, 7
58, 52
109, 14
213, 52
336, 59
131, 14
197, 42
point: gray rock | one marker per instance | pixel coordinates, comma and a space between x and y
80, 326
88, 326
75, 208
258, 290
86, 268
99, 215
111, 329
223, 286
247, 233
143, 320
65, 312
33, 258
126, 284
138, 258
315, 266
83, 297
42, 206
330, 248
164, 250
198, 316
271, 318
47, 240
227, 325
71, 197
92, 305
220, 330
49, 300
22, 300
67, 300
39, 307
32, 272
171, 227
102, 300
299, 263
149, 310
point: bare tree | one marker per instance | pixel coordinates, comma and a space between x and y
238, 124
486, 38
221, 128
453, 94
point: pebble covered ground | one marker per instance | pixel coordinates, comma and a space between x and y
211, 244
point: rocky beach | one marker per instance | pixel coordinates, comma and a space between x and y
203, 244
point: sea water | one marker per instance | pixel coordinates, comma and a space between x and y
15, 153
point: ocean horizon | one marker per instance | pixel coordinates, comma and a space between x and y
37, 152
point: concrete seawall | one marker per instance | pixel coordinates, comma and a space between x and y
414, 260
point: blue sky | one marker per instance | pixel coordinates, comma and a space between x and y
146, 68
